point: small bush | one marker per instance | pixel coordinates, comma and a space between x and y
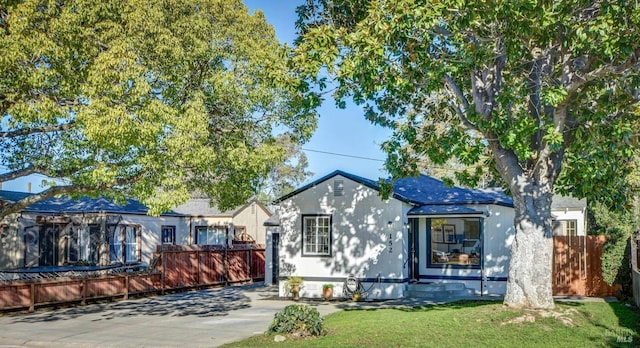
299, 320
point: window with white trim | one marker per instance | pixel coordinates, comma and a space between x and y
124, 243
211, 235
565, 228
316, 235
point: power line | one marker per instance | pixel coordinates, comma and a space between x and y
432, 167
344, 155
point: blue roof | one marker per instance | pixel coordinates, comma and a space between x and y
90, 205
13, 196
421, 190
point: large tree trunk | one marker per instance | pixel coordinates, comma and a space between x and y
530, 269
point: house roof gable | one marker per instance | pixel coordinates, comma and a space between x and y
91, 205
13, 196
421, 190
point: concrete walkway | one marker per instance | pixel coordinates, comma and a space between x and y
205, 318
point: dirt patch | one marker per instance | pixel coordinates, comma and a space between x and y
563, 316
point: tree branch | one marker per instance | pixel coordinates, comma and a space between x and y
463, 104
33, 130
18, 173
630, 64
11, 208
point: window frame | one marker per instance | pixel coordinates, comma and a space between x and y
171, 230
121, 246
564, 225
442, 265
316, 217
209, 229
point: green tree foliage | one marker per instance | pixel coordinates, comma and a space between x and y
152, 99
287, 176
539, 88
619, 226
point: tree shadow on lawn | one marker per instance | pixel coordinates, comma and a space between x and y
418, 306
202, 303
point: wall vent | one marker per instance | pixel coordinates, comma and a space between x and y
338, 188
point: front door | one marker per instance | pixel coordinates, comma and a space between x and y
414, 242
275, 259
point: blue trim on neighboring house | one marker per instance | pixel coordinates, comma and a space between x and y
478, 278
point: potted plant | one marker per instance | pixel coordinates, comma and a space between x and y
292, 286
356, 296
327, 291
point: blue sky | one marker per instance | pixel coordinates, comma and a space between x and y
340, 131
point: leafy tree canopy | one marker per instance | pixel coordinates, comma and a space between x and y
288, 176
151, 99
539, 88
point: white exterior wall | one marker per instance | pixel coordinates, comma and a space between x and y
252, 217
573, 214
201, 221
497, 235
151, 234
268, 260
363, 242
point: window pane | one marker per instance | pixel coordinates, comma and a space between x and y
201, 235
454, 241
316, 235
131, 244
115, 244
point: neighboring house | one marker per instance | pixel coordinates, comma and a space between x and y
208, 225
62, 231
570, 216
338, 226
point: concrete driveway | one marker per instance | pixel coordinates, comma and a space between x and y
205, 318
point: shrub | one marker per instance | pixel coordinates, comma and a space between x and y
297, 319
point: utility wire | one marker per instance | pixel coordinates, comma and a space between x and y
450, 169
344, 155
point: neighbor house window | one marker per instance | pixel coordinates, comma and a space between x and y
316, 235
454, 241
565, 228
168, 235
211, 235
124, 243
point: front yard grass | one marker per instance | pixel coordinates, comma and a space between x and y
473, 324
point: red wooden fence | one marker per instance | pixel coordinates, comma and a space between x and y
176, 268
577, 268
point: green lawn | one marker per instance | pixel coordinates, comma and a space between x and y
474, 324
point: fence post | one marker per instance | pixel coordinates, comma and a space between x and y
84, 291
225, 264
163, 261
126, 287
251, 263
33, 297
198, 269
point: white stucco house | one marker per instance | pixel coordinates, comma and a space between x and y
425, 232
